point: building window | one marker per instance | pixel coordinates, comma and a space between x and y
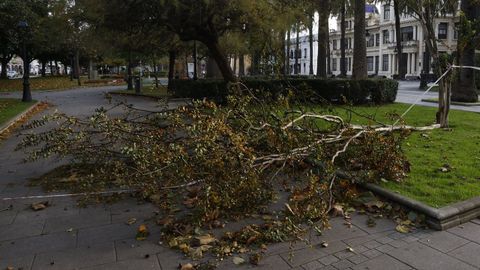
350, 44
349, 64
305, 53
385, 62
386, 12
377, 40
386, 37
407, 33
291, 55
370, 66
442, 30
371, 41
334, 64
334, 44
304, 68
299, 53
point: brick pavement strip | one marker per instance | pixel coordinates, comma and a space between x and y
382, 263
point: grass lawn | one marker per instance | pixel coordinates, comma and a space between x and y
429, 151
51, 83
9, 108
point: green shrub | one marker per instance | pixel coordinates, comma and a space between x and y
378, 91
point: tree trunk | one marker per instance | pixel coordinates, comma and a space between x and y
155, 72
195, 61
77, 67
171, 68
43, 71
51, 68
401, 68
221, 60
57, 68
4, 61
464, 89
283, 54
255, 69
360, 48
235, 64
297, 51
322, 41
343, 45
241, 65
444, 92
310, 39
289, 44
329, 59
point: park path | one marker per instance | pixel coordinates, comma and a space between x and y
408, 92
64, 236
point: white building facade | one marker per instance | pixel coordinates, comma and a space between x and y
381, 44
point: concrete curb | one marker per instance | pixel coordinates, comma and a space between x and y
437, 218
453, 103
17, 118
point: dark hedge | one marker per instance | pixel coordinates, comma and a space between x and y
377, 91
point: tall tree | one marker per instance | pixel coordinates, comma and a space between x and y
427, 11
310, 41
323, 43
398, 8
464, 89
296, 68
360, 43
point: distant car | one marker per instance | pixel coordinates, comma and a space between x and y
11, 74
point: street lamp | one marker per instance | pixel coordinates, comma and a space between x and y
27, 94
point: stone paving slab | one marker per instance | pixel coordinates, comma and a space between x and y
80, 221
420, 256
129, 249
37, 244
21, 230
469, 231
19, 262
103, 234
469, 253
444, 242
75, 258
143, 264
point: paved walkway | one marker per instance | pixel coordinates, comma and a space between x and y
64, 236
408, 92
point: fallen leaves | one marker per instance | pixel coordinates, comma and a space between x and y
402, 229
187, 266
142, 233
203, 240
238, 260
131, 221
337, 210
40, 206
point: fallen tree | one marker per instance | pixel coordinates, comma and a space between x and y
203, 164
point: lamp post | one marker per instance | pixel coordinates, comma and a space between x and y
27, 94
